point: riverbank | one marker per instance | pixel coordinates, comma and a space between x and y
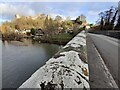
21, 42
59, 39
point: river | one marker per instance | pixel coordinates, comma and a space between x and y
20, 61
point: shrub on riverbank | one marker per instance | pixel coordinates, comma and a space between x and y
61, 39
12, 36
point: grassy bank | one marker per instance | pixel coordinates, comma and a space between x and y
60, 39
11, 37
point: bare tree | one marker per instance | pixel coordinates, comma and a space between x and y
113, 20
107, 19
117, 27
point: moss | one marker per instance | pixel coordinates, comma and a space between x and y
77, 49
83, 57
81, 37
58, 55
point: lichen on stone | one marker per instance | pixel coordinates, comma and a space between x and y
66, 69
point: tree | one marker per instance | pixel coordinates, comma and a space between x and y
113, 20
17, 27
78, 20
117, 27
107, 19
109, 15
32, 31
46, 23
68, 18
58, 21
58, 18
2, 29
51, 25
101, 24
102, 18
91, 25
67, 24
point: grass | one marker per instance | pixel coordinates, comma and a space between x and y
61, 38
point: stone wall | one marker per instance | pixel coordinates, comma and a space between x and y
114, 34
66, 69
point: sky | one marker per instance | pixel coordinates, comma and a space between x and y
64, 9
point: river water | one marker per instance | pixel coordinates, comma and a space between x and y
20, 61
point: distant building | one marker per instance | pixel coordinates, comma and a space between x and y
39, 32
23, 32
82, 18
16, 31
87, 26
17, 16
118, 8
40, 16
28, 31
48, 17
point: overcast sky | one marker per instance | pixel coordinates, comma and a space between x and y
64, 9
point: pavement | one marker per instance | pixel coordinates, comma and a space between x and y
103, 62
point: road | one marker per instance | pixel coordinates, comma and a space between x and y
108, 49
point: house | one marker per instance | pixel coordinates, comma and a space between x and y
28, 31
39, 32
82, 18
87, 26
23, 32
16, 31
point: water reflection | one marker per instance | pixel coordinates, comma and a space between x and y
21, 60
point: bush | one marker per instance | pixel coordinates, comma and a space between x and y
32, 31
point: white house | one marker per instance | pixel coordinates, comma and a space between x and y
28, 31
23, 32
16, 31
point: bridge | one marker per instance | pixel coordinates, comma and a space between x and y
87, 61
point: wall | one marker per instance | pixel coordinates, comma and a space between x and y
114, 34
66, 69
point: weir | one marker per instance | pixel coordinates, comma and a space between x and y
66, 69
